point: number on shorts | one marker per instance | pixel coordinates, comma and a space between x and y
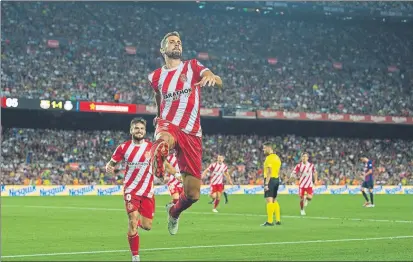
128, 197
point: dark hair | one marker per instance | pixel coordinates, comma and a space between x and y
138, 120
269, 144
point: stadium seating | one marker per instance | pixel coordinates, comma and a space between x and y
78, 157
276, 63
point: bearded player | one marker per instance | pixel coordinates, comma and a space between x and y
177, 86
138, 182
218, 170
173, 178
306, 171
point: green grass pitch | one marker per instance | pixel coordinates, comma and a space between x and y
336, 227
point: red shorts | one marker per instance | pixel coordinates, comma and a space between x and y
188, 148
175, 189
144, 205
217, 188
309, 191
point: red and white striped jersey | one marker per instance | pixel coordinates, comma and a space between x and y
180, 98
138, 179
306, 172
173, 182
217, 173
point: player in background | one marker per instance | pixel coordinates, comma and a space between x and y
173, 178
177, 86
217, 170
272, 167
368, 183
138, 182
306, 172
223, 192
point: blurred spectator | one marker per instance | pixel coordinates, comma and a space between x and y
276, 63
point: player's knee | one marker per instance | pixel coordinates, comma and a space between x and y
193, 195
147, 224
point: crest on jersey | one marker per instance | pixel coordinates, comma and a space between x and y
183, 78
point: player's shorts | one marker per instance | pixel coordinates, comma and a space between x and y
144, 205
188, 148
175, 189
302, 191
217, 188
272, 188
368, 184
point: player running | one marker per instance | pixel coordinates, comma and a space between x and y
173, 178
218, 170
306, 171
138, 182
368, 183
177, 86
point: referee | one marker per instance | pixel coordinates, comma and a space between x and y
272, 167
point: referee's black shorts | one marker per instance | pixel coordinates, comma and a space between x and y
272, 188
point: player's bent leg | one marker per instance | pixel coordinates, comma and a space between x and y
133, 236
213, 195
191, 194
363, 191
146, 223
175, 198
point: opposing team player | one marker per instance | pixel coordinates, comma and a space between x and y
306, 171
177, 87
217, 170
368, 182
173, 178
138, 182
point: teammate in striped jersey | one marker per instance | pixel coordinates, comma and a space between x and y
177, 86
138, 182
173, 178
306, 171
217, 170
368, 182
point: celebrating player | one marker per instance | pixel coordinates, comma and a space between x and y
177, 87
218, 170
306, 171
173, 178
223, 192
368, 183
272, 167
138, 182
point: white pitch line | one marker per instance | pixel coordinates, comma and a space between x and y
214, 246
224, 214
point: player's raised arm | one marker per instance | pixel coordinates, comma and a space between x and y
210, 79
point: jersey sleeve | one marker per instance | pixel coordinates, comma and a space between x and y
154, 80
198, 68
226, 168
211, 168
118, 154
296, 169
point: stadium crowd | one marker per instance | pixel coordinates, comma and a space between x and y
56, 157
276, 63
